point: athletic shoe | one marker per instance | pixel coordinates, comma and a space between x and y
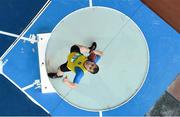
93, 46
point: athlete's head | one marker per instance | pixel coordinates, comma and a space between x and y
91, 67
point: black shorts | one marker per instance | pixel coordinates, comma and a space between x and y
64, 67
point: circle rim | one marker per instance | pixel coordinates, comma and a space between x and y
147, 65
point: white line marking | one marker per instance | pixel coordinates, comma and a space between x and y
36, 84
32, 38
100, 113
2, 63
90, 3
13, 35
32, 99
26, 29
46, 86
28, 87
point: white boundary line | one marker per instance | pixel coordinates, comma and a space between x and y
100, 113
46, 86
28, 87
32, 99
90, 3
26, 29
13, 35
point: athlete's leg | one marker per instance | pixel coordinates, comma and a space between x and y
61, 69
84, 49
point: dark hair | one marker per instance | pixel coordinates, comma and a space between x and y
95, 70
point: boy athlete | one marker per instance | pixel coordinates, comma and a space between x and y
79, 63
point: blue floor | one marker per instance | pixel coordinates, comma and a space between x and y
16, 15
5, 42
163, 42
15, 103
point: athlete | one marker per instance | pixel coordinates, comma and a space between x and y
79, 63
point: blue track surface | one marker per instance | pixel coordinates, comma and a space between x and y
5, 42
17, 14
163, 42
14, 103
15, 17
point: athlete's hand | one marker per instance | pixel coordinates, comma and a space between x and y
70, 84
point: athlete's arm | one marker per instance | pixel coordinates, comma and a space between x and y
78, 76
98, 52
97, 58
